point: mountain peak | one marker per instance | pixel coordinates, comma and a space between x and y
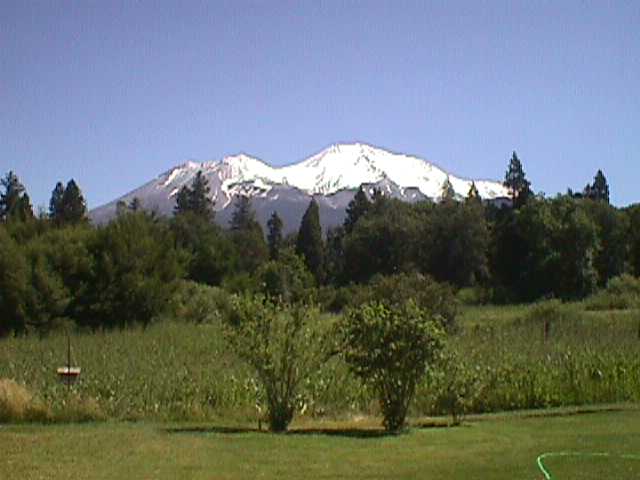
340, 167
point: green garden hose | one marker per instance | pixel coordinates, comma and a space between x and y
548, 476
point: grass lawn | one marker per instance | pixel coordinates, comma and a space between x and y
491, 447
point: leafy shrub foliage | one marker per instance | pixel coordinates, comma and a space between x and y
622, 292
551, 312
281, 344
198, 303
435, 298
452, 385
390, 348
286, 278
134, 273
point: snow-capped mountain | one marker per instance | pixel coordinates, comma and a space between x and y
331, 176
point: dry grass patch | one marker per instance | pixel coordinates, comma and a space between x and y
18, 404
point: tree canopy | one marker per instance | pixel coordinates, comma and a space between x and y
309, 244
14, 201
516, 182
195, 198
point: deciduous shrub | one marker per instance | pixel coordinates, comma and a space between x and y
286, 278
452, 386
335, 300
622, 293
282, 345
134, 273
389, 347
549, 314
199, 303
435, 298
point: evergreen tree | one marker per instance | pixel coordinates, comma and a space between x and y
15, 289
134, 274
334, 255
599, 190
55, 204
195, 198
200, 202
633, 238
182, 201
385, 241
309, 244
74, 208
612, 252
25, 209
455, 242
473, 196
12, 191
135, 205
274, 236
247, 236
243, 215
14, 202
448, 193
516, 182
356, 209
210, 252
121, 208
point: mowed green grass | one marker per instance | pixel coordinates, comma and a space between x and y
494, 447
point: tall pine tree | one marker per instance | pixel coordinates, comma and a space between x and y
247, 236
243, 215
309, 244
517, 184
473, 196
195, 198
73, 205
448, 193
201, 204
599, 190
14, 202
182, 201
135, 205
274, 236
356, 209
55, 204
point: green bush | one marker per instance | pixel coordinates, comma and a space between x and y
452, 386
282, 344
474, 296
199, 303
549, 313
438, 299
624, 285
134, 273
286, 278
335, 300
621, 293
389, 348
241, 283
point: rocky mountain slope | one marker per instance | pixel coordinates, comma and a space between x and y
331, 176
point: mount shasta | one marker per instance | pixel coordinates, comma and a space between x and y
332, 177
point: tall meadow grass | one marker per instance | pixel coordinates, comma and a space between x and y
184, 371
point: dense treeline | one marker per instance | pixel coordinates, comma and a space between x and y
57, 269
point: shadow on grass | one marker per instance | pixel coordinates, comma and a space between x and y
330, 432
212, 430
429, 425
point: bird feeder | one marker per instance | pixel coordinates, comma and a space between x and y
68, 374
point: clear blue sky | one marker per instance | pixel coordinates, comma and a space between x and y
115, 93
